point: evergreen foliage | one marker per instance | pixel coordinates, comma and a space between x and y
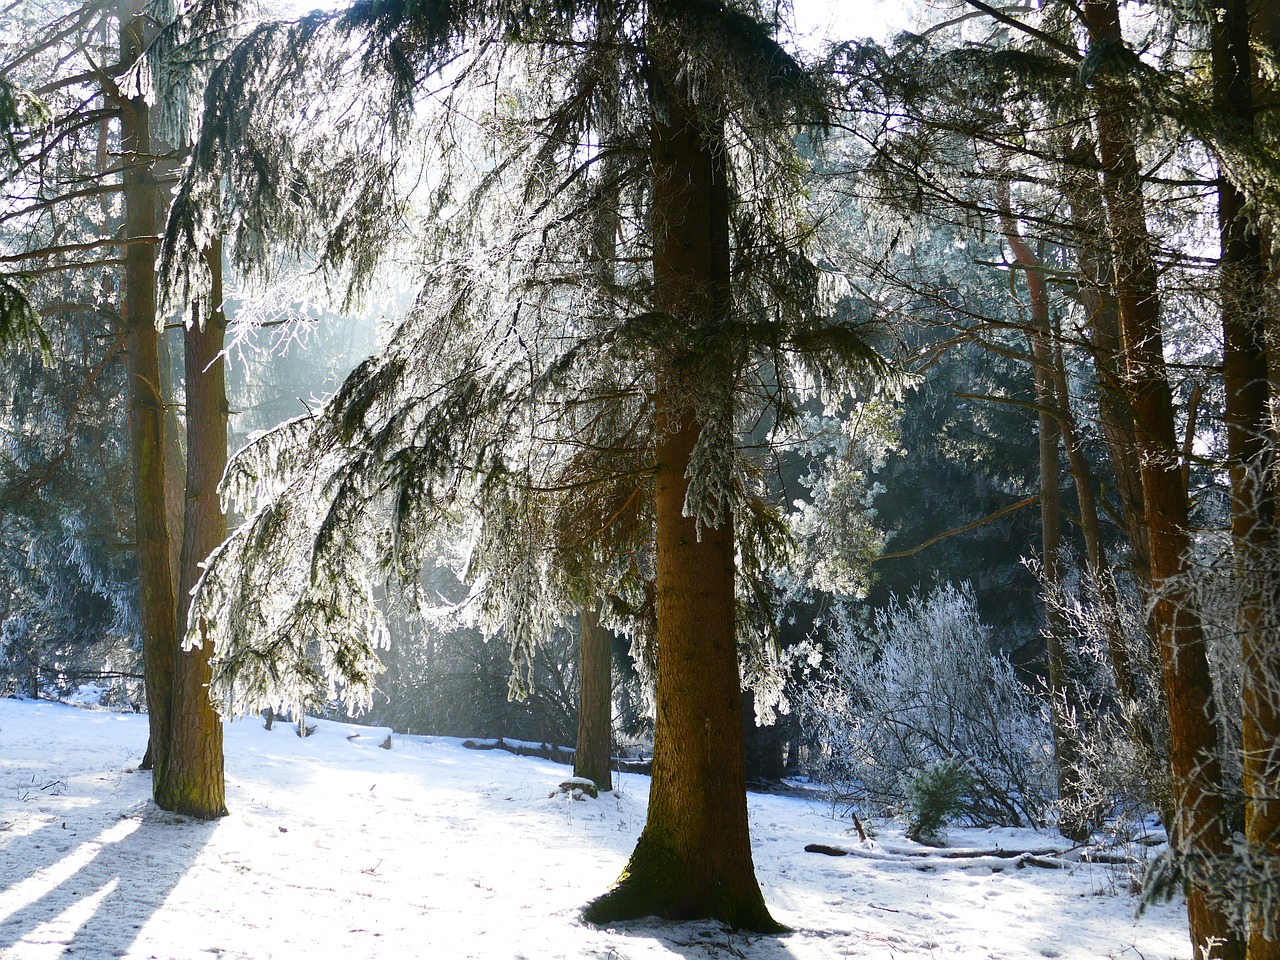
68, 575
933, 797
519, 383
1026, 194
1108, 133
542, 367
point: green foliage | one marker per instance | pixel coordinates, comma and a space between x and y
20, 110
934, 797
62, 563
19, 322
10, 119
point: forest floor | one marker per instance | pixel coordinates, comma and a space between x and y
336, 848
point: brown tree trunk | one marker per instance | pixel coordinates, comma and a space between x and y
1203, 828
693, 859
1088, 216
1062, 701
194, 783
146, 404
1253, 509
1115, 418
593, 757
166, 165
175, 464
765, 747
1091, 530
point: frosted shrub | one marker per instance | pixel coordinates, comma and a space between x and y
919, 685
1121, 741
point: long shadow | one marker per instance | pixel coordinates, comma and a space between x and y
116, 881
31, 853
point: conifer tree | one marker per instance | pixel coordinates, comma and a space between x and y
88, 172
1126, 116
522, 391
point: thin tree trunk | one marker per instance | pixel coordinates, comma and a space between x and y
1253, 509
1115, 418
175, 464
1091, 530
165, 165
594, 747
693, 859
1202, 831
146, 404
592, 757
195, 785
1062, 701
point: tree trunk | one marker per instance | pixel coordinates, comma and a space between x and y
146, 405
1093, 255
693, 859
593, 754
1062, 700
1115, 418
592, 757
175, 464
765, 747
194, 782
1091, 529
1203, 828
1253, 509
1088, 222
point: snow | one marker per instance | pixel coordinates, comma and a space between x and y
336, 848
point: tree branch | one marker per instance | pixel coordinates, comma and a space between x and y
77, 247
1071, 53
1003, 511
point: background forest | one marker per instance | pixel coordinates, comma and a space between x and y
619, 375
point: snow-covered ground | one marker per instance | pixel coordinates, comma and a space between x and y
336, 848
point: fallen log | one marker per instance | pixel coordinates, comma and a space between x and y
554, 753
824, 848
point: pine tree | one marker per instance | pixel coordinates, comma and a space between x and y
1125, 116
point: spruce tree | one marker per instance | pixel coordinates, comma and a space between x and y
88, 170
1134, 138
523, 398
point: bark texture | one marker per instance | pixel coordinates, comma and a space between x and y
146, 404
1202, 830
1115, 418
693, 859
593, 753
194, 783
1128, 656
1250, 446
